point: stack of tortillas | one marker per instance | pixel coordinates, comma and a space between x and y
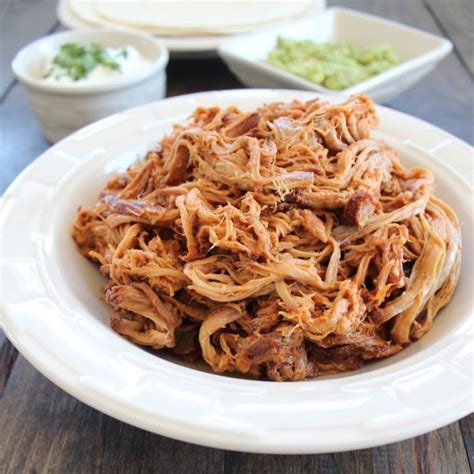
187, 17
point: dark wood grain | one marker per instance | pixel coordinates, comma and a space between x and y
8, 356
467, 430
42, 429
204, 75
21, 21
20, 136
456, 19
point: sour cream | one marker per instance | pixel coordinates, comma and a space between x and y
129, 60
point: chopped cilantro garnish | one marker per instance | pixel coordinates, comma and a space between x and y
123, 53
78, 61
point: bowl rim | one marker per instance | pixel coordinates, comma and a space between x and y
444, 47
159, 64
202, 431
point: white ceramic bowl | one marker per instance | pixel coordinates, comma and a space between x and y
418, 51
64, 108
50, 308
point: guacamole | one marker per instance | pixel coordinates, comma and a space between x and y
332, 65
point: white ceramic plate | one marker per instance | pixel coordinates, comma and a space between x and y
179, 46
51, 311
418, 52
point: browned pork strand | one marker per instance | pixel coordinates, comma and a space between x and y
284, 242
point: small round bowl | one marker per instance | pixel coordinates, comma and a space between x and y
63, 108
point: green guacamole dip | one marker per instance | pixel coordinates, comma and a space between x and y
333, 65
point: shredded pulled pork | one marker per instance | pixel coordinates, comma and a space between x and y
281, 243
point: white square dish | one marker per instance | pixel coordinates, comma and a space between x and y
418, 52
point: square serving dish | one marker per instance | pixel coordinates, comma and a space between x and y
418, 52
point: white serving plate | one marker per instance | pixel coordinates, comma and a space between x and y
418, 51
199, 46
51, 311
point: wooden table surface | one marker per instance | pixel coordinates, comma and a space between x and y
42, 429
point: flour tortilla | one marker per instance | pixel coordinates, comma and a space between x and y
187, 17
85, 11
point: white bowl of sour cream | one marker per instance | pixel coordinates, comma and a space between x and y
75, 78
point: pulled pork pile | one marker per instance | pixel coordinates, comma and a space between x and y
282, 243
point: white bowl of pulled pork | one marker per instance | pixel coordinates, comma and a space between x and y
259, 270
